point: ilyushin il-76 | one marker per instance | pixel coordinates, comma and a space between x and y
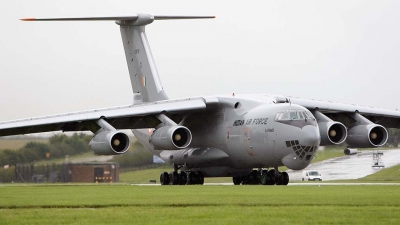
246, 137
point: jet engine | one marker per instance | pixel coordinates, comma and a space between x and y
332, 133
110, 143
364, 136
171, 138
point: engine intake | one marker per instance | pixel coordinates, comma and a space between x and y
171, 138
364, 136
110, 143
332, 133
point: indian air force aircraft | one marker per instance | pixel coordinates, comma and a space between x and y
246, 137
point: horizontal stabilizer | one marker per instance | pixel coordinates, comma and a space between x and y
121, 18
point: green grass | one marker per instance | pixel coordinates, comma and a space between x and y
125, 204
386, 175
328, 153
391, 174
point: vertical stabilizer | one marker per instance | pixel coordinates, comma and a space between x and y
146, 84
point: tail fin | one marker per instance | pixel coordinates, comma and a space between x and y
146, 84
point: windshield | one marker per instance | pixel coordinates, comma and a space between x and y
293, 115
313, 173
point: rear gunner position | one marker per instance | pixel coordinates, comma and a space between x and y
246, 137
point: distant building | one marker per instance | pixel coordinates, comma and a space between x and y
101, 172
93, 172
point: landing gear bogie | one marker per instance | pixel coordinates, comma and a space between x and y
264, 177
182, 178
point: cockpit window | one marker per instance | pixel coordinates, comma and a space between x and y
301, 115
310, 115
293, 115
282, 115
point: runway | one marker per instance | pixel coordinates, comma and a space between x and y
349, 167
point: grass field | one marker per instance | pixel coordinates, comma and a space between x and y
391, 174
126, 204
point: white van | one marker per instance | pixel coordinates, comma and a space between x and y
311, 175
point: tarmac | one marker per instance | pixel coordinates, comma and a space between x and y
349, 167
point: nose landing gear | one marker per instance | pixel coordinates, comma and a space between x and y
264, 177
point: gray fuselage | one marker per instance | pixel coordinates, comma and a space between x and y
243, 133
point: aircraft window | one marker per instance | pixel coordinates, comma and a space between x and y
301, 115
310, 115
284, 116
293, 115
277, 117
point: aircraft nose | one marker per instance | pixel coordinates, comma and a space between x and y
310, 136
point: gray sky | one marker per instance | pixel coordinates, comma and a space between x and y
342, 51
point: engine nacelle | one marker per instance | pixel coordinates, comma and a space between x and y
332, 133
350, 151
364, 136
171, 138
110, 143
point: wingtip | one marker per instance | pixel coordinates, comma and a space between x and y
28, 19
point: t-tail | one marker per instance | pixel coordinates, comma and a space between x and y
145, 81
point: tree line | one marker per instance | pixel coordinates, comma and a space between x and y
58, 147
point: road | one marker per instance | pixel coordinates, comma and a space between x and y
349, 167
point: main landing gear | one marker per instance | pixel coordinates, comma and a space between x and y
264, 177
181, 178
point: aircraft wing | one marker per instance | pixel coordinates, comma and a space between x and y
125, 117
385, 117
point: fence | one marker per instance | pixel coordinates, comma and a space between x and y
50, 173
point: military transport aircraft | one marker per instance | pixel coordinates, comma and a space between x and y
246, 137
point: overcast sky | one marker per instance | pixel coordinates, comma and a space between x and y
342, 51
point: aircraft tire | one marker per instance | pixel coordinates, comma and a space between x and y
173, 178
200, 178
265, 178
253, 177
190, 178
285, 178
182, 178
271, 175
237, 180
164, 178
